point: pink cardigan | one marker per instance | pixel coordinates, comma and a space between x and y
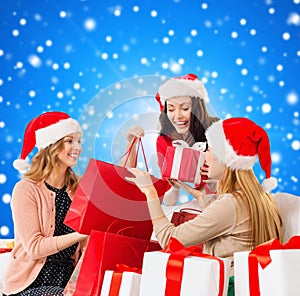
33, 208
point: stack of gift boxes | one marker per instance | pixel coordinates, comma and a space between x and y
120, 258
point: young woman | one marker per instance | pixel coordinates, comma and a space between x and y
184, 116
46, 250
242, 214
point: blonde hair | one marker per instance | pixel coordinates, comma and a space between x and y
265, 221
46, 161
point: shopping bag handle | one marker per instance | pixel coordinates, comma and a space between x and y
126, 228
189, 209
120, 230
127, 152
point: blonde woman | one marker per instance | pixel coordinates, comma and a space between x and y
242, 214
46, 250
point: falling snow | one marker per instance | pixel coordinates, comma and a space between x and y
102, 64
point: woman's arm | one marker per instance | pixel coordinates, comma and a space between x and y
171, 196
216, 220
31, 227
144, 182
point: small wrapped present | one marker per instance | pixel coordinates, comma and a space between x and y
125, 281
183, 162
270, 269
180, 271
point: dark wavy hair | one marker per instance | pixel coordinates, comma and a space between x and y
200, 121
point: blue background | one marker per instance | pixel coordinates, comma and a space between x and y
101, 62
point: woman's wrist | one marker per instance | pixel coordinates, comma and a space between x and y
150, 192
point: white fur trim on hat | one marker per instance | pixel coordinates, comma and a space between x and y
21, 164
54, 132
182, 87
223, 150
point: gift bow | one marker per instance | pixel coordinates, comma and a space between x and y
116, 279
261, 255
124, 267
174, 269
201, 146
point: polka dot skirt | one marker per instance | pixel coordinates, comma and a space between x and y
58, 268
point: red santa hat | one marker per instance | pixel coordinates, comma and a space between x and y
237, 142
43, 131
187, 85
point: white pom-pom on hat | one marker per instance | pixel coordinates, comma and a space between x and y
44, 130
269, 184
21, 164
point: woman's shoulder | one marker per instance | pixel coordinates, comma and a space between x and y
26, 183
227, 198
164, 139
162, 143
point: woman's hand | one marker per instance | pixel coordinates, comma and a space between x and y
141, 179
204, 172
175, 183
135, 131
195, 192
180, 184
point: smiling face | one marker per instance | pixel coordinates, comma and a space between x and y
179, 113
69, 155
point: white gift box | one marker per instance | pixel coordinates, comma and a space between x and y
130, 284
6, 243
200, 275
279, 278
4, 261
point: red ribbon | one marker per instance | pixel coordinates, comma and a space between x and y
116, 279
174, 269
261, 255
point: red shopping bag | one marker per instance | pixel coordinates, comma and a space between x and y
104, 251
185, 215
105, 201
